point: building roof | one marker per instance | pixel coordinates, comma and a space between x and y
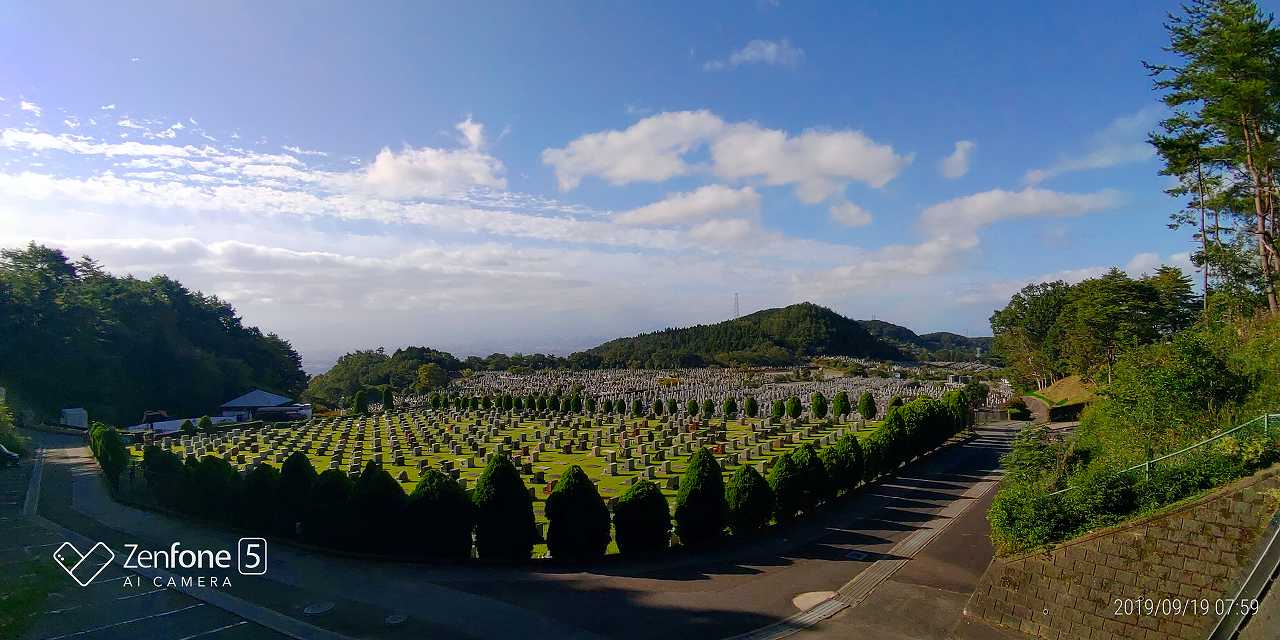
257, 398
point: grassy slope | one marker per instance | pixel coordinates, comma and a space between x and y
1069, 390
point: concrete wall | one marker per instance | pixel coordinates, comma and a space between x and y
1199, 550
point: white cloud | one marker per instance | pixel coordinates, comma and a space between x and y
705, 202
71, 122
30, 107
774, 53
849, 214
957, 164
108, 107
817, 163
427, 171
1123, 141
726, 231
472, 132
981, 209
650, 150
299, 150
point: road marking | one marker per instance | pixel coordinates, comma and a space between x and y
139, 595
119, 624
213, 631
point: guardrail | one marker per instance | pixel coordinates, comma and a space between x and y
1266, 420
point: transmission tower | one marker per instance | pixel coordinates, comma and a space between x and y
736, 311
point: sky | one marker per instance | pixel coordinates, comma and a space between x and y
524, 177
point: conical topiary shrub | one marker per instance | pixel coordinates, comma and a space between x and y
579, 521
439, 517
504, 513
642, 520
701, 510
750, 501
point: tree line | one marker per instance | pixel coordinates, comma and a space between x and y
73, 335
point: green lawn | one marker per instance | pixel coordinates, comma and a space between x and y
24, 588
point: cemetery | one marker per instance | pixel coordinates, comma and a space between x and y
614, 431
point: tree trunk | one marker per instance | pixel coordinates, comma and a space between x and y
1261, 209
1204, 238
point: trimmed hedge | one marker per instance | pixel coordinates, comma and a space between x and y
296, 478
578, 520
439, 517
843, 463
505, 527
788, 491
701, 510
813, 477
750, 501
642, 520
328, 518
377, 501
256, 507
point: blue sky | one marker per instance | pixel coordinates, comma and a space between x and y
541, 176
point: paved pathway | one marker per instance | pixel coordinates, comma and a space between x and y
714, 595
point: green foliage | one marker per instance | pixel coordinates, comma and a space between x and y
894, 402
377, 502
163, 472
187, 427
431, 376
777, 409
787, 483
439, 518
751, 407
866, 406
9, 436
771, 337
256, 506
388, 400
794, 407
701, 510
637, 408
372, 368
360, 402
109, 447
329, 517
504, 513
843, 464
578, 520
708, 408
296, 479
749, 500
642, 520
672, 406
730, 410
217, 487
840, 404
691, 408
132, 344
814, 484
818, 406
204, 424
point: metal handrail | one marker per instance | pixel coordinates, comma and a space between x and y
1266, 419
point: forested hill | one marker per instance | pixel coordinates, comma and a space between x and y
772, 336
72, 335
940, 345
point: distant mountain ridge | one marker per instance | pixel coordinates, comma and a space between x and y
785, 335
939, 345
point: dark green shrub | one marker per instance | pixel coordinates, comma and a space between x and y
439, 518
504, 513
217, 485
751, 407
328, 520
1024, 518
388, 400
256, 505
672, 406
578, 520
875, 455
794, 408
818, 406
843, 463
813, 476
360, 403
840, 404
377, 503
642, 520
296, 478
894, 401
163, 473
750, 501
205, 424
788, 490
112, 454
700, 505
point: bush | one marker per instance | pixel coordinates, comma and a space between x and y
788, 490
866, 405
794, 408
1017, 408
813, 476
163, 473
642, 520
777, 410
840, 404
360, 403
1023, 518
328, 518
377, 502
217, 485
578, 520
701, 510
751, 407
750, 501
112, 455
205, 424
388, 400
818, 406
439, 517
843, 463
256, 507
296, 479
894, 401
504, 513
